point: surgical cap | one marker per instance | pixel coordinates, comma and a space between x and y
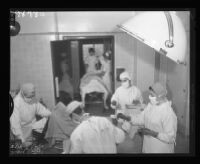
124, 75
158, 89
27, 88
72, 106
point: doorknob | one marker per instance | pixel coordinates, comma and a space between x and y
57, 87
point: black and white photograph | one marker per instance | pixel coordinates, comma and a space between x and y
95, 82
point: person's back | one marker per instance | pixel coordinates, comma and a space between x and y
96, 135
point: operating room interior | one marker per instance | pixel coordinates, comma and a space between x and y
36, 52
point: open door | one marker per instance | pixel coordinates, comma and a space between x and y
60, 51
73, 50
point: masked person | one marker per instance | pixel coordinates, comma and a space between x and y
76, 115
23, 118
96, 135
159, 121
125, 94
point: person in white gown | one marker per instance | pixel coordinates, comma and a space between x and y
90, 61
23, 118
96, 135
159, 121
126, 94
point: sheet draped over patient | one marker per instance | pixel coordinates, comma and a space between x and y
91, 77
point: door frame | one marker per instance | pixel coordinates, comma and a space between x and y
86, 39
54, 67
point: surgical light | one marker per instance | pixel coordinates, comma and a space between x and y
163, 31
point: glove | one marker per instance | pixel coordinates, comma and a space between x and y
122, 116
114, 121
146, 131
136, 102
114, 103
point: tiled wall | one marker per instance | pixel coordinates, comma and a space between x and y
177, 78
31, 62
125, 52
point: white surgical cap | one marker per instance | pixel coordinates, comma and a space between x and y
124, 75
72, 106
27, 88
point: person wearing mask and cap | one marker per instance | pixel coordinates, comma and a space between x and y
76, 115
96, 135
159, 121
126, 94
23, 118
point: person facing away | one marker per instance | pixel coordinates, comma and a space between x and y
96, 135
23, 118
159, 121
126, 94
59, 125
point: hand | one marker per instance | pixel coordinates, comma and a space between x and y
114, 121
146, 131
85, 116
136, 102
122, 116
26, 144
114, 103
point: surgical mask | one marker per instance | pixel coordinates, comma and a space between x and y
125, 84
31, 100
153, 100
77, 118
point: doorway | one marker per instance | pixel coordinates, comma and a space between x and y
73, 50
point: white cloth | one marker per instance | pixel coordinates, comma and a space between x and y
125, 96
23, 117
96, 135
66, 85
161, 119
93, 86
72, 106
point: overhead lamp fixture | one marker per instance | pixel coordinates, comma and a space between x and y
163, 31
14, 25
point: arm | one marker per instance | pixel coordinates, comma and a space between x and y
15, 124
42, 111
169, 129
